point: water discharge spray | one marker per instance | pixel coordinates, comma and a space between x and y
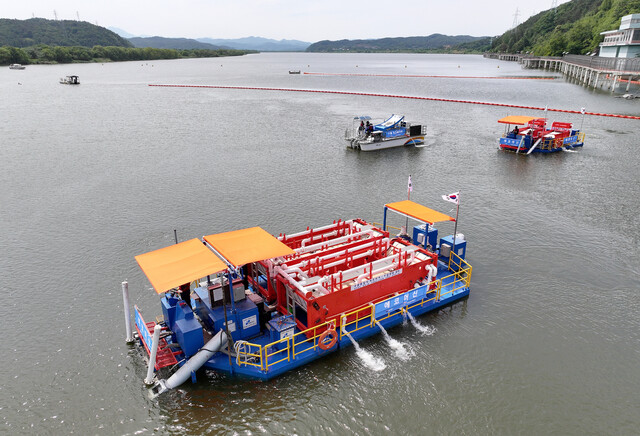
401, 351
424, 329
370, 361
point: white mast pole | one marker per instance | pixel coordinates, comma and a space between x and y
455, 227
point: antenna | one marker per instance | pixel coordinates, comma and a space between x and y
515, 18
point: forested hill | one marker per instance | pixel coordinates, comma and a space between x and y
34, 31
409, 44
572, 27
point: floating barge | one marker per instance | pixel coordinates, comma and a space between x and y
536, 137
70, 80
293, 298
392, 132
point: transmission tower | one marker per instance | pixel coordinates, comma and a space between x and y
55, 15
515, 19
554, 5
78, 15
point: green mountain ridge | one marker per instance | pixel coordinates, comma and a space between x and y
65, 33
573, 27
416, 44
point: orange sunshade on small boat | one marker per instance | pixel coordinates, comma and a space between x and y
516, 119
419, 212
241, 247
177, 264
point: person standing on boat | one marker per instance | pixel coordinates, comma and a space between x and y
369, 128
516, 131
185, 293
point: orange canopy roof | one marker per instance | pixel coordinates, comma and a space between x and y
241, 247
419, 212
177, 264
516, 119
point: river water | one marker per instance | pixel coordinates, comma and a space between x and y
547, 343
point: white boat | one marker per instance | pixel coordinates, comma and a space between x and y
393, 132
16, 67
70, 80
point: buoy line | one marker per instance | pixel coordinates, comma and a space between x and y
450, 100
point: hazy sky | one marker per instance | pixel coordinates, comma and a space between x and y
305, 20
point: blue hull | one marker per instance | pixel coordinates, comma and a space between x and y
307, 352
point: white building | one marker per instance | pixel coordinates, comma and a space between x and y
624, 42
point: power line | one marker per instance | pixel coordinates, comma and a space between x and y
515, 19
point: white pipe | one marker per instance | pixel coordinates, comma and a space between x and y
298, 286
338, 262
154, 351
364, 276
127, 311
295, 269
357, 269
430, 275
333, 241
316, 286
197, 360
315, 260
534, 146
310, 239
329, 226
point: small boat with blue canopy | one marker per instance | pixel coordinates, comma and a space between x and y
536, 137
246, 302
393, 132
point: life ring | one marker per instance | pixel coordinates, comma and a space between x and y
323, 337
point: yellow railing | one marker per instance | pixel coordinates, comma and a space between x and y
379, 225
251, 357
265, 356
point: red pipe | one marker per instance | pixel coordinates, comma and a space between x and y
630, 117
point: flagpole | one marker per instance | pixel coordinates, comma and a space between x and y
455, 227
409, 188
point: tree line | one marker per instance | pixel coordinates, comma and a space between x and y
44, 54
574, 27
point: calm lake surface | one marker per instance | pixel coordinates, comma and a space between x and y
547, 343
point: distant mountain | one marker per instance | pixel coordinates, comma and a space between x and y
67, 33
260, 44
573, 27
408, 44
174, 43
124, 33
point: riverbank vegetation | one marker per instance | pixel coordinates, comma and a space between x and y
41, 41
44, 54
573, 27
